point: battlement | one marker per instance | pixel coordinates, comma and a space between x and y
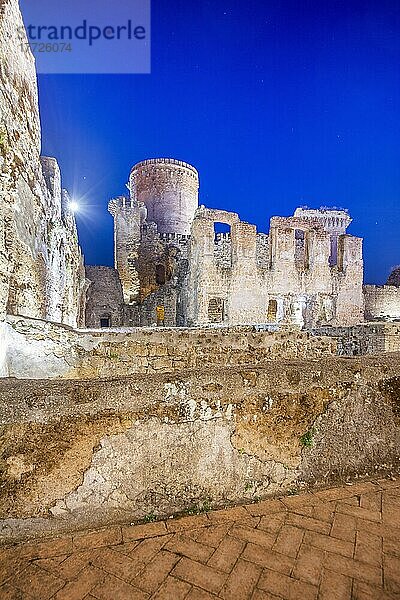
169, 190
119, 202
165, 162
331, 218
174, 237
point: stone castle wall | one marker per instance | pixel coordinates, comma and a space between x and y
37, 349
90, 453
104, 298
365, 338
168, 188
382, 302
284, 277
41, 267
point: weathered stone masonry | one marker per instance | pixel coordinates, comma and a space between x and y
88, 453
307, 271
41, 266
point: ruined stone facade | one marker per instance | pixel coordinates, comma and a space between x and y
41, 265
307, 271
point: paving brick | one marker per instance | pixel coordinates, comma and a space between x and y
265, 507
212, 536
235, 513
184, 546
286, 587
300, 500
388, 531
347, 491
391, 547
192, 522
137, 532
289, 540
156, 571
117, 563
227, 554
47, 549
268, 558
352, 501
263, 595
72, 565
78, 589
147, 549
344, 527
256, 536
368, 547
323, 512
172, 589
359, 512
200, 575
391, 570
116, 589
371, 501
127, 547
96, 539
241, 582
9, 567
272, 523
334, 586
309, 564
334, 494
326, 542
9, 592
308, 523
363, 591
38, 583
199, 594
354, 568
388, 483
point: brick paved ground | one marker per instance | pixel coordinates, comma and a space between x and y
335, 544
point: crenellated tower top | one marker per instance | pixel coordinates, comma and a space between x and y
169, 189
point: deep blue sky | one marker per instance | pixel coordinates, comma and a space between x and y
277, 104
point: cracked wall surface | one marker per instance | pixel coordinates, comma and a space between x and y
87, 453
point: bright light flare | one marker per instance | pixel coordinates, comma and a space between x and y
73, 206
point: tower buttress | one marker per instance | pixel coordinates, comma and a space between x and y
128, 217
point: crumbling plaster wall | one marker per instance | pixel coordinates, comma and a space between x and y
41, 268
88, 453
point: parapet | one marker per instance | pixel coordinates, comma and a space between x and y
165, 162
331, 218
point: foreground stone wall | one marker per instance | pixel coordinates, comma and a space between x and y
382, 302
86, 453
36, 349
366, 338
41, 269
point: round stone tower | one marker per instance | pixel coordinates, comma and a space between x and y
169, 190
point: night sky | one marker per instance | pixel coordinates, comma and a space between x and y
277, 104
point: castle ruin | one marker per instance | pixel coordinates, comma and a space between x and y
307, 271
